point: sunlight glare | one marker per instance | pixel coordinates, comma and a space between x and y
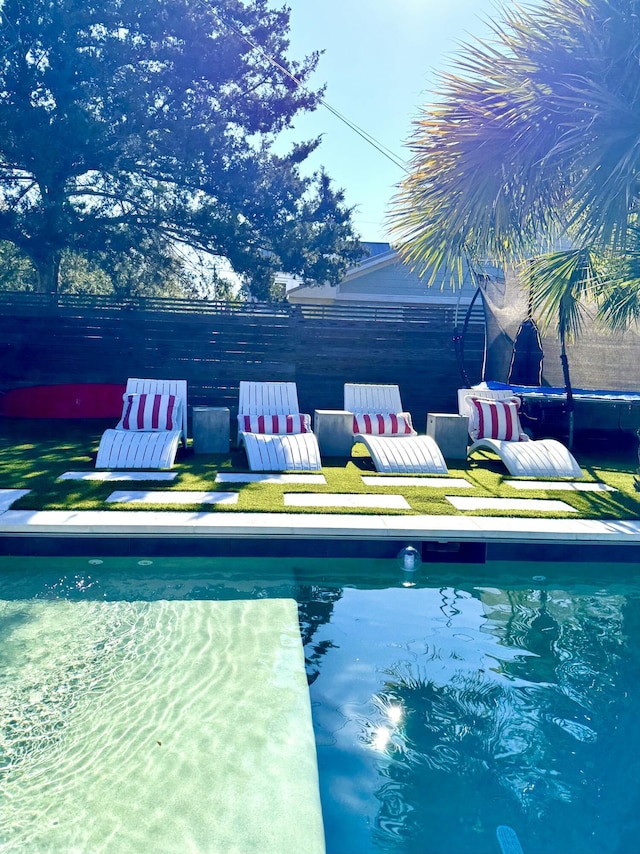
381, 738
395, 714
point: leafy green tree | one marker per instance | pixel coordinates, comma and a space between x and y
135, 273
130, 274
132, 125
532, 152
17, 273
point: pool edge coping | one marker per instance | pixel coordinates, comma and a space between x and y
180, 524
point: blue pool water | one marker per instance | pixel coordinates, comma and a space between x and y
446, 703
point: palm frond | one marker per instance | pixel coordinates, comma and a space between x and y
619, 290
562, 285
534, 138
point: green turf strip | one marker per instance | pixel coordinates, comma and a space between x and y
34, 453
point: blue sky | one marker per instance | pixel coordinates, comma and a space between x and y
380, 64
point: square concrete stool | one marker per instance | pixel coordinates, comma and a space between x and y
210, 429
334, 431
451, 432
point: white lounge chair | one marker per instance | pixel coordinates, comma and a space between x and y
275, 434
387, 432
494, 425
153, 423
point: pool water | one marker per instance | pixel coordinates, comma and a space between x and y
446, 703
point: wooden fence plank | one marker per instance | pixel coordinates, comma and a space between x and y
85, 339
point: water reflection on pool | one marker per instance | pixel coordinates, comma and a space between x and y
478, 697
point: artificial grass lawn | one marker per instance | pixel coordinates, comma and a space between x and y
34, 453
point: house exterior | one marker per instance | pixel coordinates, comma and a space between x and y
383, 278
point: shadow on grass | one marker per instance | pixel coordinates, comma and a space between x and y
35, 452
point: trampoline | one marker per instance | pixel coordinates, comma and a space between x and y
536, 369
594, 410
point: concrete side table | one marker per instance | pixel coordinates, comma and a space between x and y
210, 429
334, 431
451, 432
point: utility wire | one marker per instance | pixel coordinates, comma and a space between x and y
367, 137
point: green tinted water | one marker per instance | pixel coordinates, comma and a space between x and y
476, 698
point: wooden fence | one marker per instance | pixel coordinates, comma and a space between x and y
214, 345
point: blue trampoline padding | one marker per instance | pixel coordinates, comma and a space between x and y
552, 392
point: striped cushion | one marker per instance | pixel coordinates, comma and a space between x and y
377, 424
150, 412
496, 419
272, 424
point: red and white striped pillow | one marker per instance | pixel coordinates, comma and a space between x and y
382, 424
273, 424
150, 412
496, 419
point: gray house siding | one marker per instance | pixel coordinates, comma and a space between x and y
383, 278
396, 282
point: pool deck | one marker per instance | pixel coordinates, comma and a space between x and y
329, 526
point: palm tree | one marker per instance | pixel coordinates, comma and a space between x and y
533, 151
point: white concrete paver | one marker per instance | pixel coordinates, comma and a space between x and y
461, 502
230, 477
166, 497
337, 499
8, 496
119, 475
432, 482
560, 485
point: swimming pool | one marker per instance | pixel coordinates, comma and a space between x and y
446, 703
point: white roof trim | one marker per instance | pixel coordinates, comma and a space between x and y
434, 297
383, 259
